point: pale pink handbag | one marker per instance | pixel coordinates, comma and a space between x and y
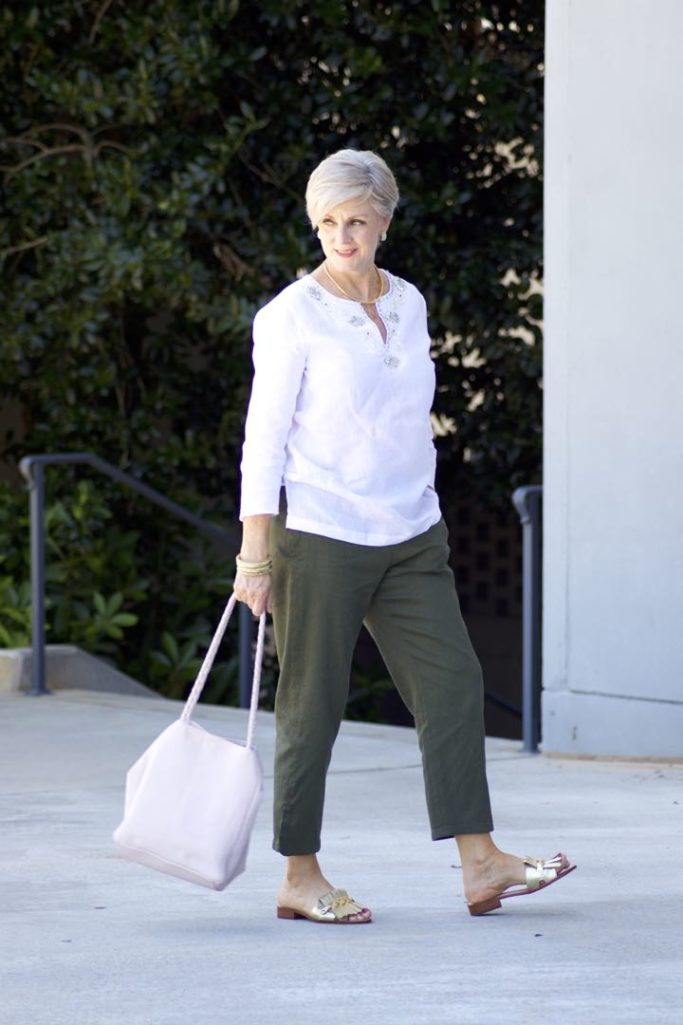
192, 797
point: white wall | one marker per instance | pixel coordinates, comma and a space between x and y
613, 478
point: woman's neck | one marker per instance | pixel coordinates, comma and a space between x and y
361, 286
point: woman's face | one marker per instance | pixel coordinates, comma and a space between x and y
350, 234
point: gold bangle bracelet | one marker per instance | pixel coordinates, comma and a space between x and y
253, 569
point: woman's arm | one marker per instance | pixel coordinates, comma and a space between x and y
279, 365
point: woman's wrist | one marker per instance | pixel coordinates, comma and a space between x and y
249, 568
260, 554
256, 538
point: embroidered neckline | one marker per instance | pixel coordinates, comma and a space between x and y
361, 322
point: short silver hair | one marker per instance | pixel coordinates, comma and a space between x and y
351, 174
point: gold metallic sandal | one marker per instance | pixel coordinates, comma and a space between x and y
335, 907
539, 874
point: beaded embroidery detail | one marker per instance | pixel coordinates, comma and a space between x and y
391, 303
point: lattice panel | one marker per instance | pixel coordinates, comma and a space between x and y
487, 561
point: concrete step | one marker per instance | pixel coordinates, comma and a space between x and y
67, 668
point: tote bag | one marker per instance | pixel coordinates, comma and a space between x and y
192, 797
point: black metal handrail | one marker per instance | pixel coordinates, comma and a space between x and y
33, 469
528, 503
505, 706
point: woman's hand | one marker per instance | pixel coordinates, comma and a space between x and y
256, 592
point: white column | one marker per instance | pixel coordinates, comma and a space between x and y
613, 476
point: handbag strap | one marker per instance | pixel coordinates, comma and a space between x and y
205, 669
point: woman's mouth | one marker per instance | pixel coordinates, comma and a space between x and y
345, 253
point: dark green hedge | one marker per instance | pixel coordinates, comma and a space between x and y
154, 158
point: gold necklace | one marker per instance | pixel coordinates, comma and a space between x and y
363, 302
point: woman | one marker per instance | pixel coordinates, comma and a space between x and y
339, 415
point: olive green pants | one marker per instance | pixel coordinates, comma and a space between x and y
323, 591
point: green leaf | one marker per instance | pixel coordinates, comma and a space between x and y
169, 646
125, 619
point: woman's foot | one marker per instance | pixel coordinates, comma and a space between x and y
302, 889
490, 876
489, 872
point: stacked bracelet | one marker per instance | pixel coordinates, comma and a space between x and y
254, 569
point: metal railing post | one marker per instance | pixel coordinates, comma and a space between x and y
37, 514
527, 502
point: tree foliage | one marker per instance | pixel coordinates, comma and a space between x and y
155, 157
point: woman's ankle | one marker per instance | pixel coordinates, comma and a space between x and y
476, 849
300, 868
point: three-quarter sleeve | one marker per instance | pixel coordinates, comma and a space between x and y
279, 361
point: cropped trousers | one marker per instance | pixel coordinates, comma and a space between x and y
323, 592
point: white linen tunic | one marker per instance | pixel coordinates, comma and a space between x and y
340, 417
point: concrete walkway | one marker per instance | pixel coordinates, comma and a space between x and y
90, 940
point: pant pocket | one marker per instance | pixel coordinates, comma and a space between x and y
285, 543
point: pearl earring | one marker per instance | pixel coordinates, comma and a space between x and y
383, 237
